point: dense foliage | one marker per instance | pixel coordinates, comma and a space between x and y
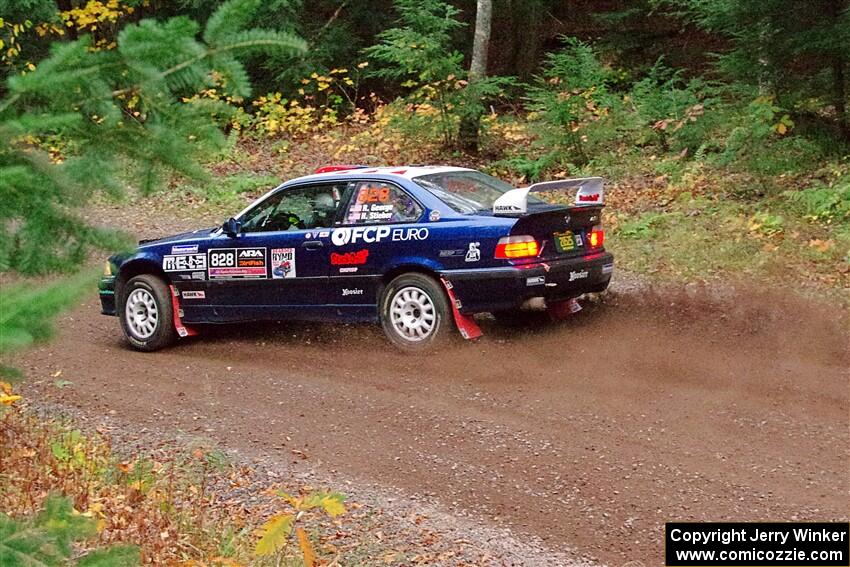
69, 124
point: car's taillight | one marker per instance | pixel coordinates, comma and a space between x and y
596, 238
510, 247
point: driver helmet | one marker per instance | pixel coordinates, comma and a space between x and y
324, 202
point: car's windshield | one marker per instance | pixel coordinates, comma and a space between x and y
467, 192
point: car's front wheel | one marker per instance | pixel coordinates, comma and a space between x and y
415, 312
146, 313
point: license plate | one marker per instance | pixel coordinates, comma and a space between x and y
564, 241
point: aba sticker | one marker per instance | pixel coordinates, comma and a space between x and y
236, 263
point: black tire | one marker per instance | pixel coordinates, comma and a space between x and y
518, 318
395, 317
162, 332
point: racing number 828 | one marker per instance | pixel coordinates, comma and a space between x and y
218, 259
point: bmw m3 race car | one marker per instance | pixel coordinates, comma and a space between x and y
414, 248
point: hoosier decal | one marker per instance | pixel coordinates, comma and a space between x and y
283, 263
237, 263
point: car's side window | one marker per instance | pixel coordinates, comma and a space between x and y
376, 202
298, 208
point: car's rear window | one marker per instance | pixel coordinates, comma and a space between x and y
467, 192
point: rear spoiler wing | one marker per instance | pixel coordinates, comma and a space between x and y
589, 191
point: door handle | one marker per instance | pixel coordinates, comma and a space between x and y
312, 244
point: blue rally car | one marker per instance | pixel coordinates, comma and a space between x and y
414, 248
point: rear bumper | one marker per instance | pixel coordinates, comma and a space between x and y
498, 289
106, 290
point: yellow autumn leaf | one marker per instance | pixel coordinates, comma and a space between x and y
332, 504
306, 548
781, 129
8, 400
274, 534
289, 499
6, 388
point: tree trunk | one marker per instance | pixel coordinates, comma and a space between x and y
481, 43
471, 122
838, 68
527, 34
839, 89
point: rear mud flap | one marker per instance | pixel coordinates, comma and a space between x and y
563, 309
182, 330
467, 326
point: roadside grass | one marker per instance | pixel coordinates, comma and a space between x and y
186, 506
160, 504
700, 238
233, 191
697, 221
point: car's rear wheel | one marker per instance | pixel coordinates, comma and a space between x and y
415, 312
146, 313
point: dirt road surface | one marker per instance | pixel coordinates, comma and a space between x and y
590, 434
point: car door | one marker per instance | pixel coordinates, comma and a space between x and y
278, 263
379, 225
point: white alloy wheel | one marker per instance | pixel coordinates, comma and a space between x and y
141, 313
412, 314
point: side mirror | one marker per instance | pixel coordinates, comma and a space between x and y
232, 227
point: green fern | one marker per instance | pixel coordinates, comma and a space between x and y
114, 106
46, 540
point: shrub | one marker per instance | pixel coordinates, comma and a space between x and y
569, 98
761, 124
763, 223
824, 203
668, 108
418, 54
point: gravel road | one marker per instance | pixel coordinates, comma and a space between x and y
553, 445
581, 438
